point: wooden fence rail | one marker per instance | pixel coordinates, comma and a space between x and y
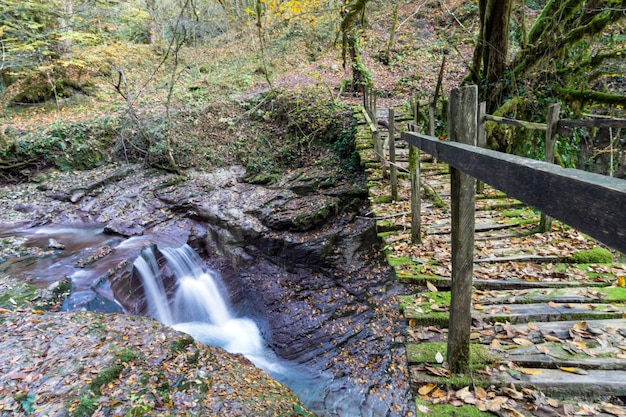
592, 203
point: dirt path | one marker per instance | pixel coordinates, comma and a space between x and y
548, 312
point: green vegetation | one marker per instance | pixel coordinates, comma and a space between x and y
596, 255
447, 410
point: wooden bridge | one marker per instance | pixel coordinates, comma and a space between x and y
491, 303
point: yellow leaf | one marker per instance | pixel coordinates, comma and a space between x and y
529, 371
573, 370
426, 389
480, 392
478, 307
532, 326
621, 281
431, 287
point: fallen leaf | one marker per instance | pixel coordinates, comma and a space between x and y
426, 389
438, 371
614, 409
423, 409
522, 342
439, 357
543, 349
552, 304
573, 370
532, 326
513, 393
480, 392
431, 287
529, 371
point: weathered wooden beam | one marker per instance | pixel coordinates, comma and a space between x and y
462, 127
514, 122
591, 203
545, 224
599, 123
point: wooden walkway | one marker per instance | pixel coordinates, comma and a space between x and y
547, 322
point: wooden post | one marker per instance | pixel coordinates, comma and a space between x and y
414, 170
392, 156
481, 139
462, 121
545, 223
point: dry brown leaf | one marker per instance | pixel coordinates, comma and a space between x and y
522, 342
552, 304
614, 409
478, 307
532, 326
550, 338
480, 392
513, 393
431, 287
496, 404
543, 349
507, 411
463, 393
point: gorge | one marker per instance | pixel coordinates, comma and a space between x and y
298, 260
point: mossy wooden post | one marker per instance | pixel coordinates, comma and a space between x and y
545, 223
414, 171
462, 127
481, 139
393, 172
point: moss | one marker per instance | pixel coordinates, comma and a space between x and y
181, 344
447, 410
426, 352
400, 260
19, 294
382, 200
614, 294
596, 255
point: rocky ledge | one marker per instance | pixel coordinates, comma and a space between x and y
59, 364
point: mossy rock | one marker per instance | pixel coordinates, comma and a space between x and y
596, 255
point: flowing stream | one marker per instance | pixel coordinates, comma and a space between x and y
199, 308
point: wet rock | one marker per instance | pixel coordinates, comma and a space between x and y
126, 228
55, 244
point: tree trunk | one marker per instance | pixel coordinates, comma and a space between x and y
495, 46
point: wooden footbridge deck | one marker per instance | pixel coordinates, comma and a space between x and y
548, 310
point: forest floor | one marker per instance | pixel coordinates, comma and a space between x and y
548, 309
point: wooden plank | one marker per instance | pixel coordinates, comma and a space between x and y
524, 313
462, 127
514, 122
559, 295
392, 157
599, 123
414, 170
591, 203
545, 224
557, 382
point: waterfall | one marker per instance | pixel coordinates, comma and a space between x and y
198, 307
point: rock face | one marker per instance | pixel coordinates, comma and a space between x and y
297, 254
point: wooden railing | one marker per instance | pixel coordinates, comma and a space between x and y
592, 203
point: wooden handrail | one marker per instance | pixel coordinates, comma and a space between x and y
592, 203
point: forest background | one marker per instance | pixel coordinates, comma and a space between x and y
201, 83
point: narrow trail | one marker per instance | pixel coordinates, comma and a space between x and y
548, 309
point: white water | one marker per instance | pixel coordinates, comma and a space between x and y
199, 308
